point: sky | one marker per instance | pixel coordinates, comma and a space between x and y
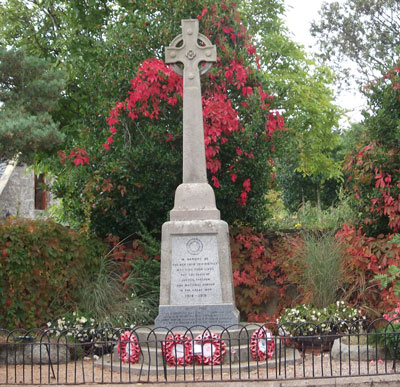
299, 15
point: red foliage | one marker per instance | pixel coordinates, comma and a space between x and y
262, 270
376, 185
257, 277
156, 86
123, 253
77, 155
156, 82
368, 256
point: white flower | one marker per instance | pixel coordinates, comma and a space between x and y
83, 319
49, 324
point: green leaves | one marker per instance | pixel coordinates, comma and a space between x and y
29, 90
364, 32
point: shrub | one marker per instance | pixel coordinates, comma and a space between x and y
315, 265
278, 270
388, 334
257, 277
374, 176
368, 257
41, 264
139, 268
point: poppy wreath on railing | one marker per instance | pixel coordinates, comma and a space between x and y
128, 348
177, 350
209, 348
262, 345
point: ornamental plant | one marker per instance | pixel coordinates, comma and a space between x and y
84, 333
315, 264
82, 326
306, 320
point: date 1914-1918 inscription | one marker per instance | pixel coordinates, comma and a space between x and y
195, 275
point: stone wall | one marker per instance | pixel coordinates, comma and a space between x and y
18, 195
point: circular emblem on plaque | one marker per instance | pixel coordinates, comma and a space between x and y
194, 246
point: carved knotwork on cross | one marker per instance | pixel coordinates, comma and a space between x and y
185, 49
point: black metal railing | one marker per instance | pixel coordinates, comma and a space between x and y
244, 352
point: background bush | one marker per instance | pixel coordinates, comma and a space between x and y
41, 269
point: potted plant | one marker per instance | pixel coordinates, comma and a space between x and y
317, 328
80, 331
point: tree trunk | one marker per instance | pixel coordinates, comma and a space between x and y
319, 202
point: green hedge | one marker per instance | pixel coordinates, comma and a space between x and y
41, 268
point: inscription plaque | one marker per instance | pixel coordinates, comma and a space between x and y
195, 277
172, 316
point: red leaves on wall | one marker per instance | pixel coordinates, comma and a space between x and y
257, 277
368, 256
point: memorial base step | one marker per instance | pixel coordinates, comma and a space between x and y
142, 370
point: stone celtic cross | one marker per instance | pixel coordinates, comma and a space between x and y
196, 284
185, 49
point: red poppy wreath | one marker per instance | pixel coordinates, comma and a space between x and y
128, 348
177, 350
209, 348
262, 345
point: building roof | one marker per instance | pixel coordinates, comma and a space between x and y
3, 166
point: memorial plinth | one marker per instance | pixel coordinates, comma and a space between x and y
199, 288
196, 271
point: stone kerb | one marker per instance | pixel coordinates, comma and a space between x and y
363, 352
34, 353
